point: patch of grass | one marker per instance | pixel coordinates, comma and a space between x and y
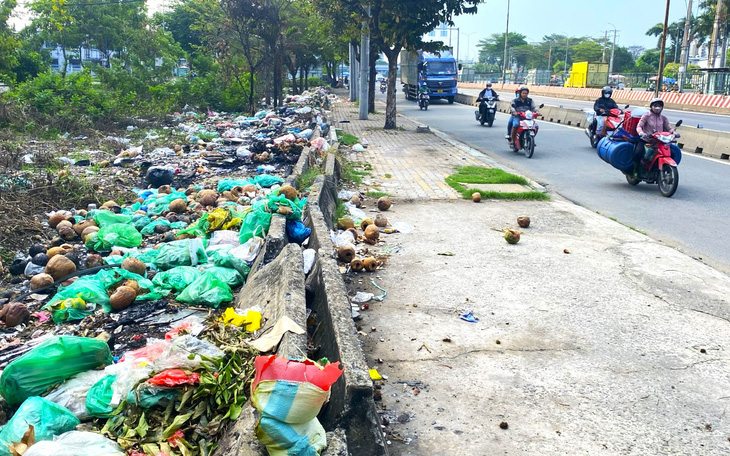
350, 173
477, 175
307, 178
628, 226
340, 211
346, 138
387, 176
375, 194
367, 166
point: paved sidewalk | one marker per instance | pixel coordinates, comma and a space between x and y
417, 163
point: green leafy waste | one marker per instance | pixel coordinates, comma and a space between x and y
478, 175
346, 138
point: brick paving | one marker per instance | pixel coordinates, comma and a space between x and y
405, 164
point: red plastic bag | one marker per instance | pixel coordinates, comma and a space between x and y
277, 368
174, 377
183, 328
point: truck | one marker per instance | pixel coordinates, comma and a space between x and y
586, 74
438, 71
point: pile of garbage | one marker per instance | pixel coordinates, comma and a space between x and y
118, 333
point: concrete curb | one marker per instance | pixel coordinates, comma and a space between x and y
709, 143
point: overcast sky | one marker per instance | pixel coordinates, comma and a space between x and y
537, 18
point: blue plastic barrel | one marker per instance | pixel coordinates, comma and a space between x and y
620, 155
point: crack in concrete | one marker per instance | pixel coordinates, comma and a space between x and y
694, 364
482, 350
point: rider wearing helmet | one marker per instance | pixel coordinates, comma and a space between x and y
424, 88
523, 103
484, 94
603, 106
509, 122
650, 123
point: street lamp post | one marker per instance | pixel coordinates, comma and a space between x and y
506, 36
468, 43
613, 48
567, 45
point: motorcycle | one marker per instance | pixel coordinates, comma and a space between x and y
383, 87
423, 101
489, 107
662, 168
526, 132
595, 124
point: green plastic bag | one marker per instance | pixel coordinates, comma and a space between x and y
140, 221
106, 218
51, 362
48, 420
176, 279
116, 235
207, 290
150, 227
110, 277
227, 184
146, 396
230, 276
224, 260
266, 180
88, 288
186, 252
99, 397
146, 256
256, 223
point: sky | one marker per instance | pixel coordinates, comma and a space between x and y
537, 18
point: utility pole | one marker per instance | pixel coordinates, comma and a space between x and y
506, 36
684, 57
364, 69
605, 43
353, 72
550, 57
567, 45
660, 77
613, 48
715, 37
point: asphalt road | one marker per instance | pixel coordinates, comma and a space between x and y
694, 219
691, 119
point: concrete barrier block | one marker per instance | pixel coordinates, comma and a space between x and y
275, 242
575, 118
697, 141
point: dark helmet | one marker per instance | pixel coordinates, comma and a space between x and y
524, 88
658, 101
489, 84
606, 90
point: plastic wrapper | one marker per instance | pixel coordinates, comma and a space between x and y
249, 251
70, 309
106, 218
48, 420
289, 395
174, 377
207, 290
230, 276
72, 393
186, 252
110, 236
76, 443
297, 231
176, 279
51, 362
99, 397
308, 256
87, 288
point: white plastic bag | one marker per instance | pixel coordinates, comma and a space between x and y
356, 213
76, 443
308, 255
72, 393
248, 251
343, 238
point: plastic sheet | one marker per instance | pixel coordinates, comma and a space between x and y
174, 377
99, 397
117, 234
48, 419
230, 276
72, 393
186, 252
76, 443
176, 279
207, 290
51, 362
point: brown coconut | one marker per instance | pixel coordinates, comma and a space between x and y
56, 218
14, 314
133, 285
346, 253
357, 265
344, 223
88, 230
476, 197
250, 188
365, 222
370, 264
82, 225
93, 260
372, 233
207, 197
122, 298
109, 205
164, 190
66, 233
356, 201
63, 223
523, 221
289, 192
40, 281
178, 206
60, 266
134, 265
381, 221
384, 203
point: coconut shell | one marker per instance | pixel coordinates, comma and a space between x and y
372, 233
365, 222
384, 203
476, 197
14, 314
134, 265
344, 223
122, 298
381, 221
357, 265
229, 195
55, 219
87, 231
40, 281
523, 221
356, 201
60, 266
133, 285
208, 197
66, 233
512, 236
53, 251
164, 189
250, 188
370, 264
179, 206
93, 260
289, 192
62, 224
82, 225
346, 253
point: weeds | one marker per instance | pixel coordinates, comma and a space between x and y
350, 174
307, 178
346, 138
376, 194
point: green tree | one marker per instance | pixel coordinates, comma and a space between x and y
587, 51
56, 25
623, 60
491, 49
648, 62
9, 44
559, 67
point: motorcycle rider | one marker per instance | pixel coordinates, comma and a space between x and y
523, 103
603, 106
382, 85
509, 122
650, 123
483, 95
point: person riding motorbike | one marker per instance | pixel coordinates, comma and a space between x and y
650, 123
509, 122
523, 103
483, 95
603, 106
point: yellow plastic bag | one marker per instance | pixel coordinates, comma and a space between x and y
252, 319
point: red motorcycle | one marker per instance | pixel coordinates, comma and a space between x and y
662, 169
595, 124
526, 132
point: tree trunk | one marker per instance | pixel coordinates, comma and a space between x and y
65, 61
252, 107
301, 78
306, 76
374, 54
390, 108
294, 87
